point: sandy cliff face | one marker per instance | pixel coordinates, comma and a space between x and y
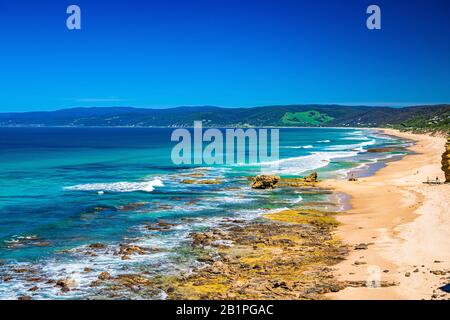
446, 161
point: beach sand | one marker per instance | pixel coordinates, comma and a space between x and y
405, 223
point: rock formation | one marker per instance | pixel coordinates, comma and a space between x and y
271, 181
192, 181
446, 161
311, 178
265, 182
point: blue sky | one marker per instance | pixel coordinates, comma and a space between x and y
232, 53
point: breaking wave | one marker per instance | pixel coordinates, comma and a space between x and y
147, 186
299, 147
298, 165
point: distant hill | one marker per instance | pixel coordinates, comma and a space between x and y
425, 117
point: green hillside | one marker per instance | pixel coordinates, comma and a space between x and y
308, 118
425, 118
427, 122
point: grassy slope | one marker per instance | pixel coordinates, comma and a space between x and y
313, 118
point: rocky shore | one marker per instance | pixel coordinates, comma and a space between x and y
287, 254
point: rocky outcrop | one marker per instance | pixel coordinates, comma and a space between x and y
299, 182
265, 182
97, 246
446, 161
66, 284
192, 181
385, 149
27, 241
287, 256
132, 206
312, 177
272, 181
126, 250
104, 276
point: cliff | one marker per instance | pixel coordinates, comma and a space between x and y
446, 161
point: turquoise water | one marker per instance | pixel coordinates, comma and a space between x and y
65, 188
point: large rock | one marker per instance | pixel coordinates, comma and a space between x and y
311, 178
265, 182
104, 276
127, 250
66, 284
272, 181
446, 161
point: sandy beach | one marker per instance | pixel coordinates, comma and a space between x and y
398, 228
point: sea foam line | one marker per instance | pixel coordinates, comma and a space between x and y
298, 165
299, 147
147, 186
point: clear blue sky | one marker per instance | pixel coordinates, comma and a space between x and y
222, 52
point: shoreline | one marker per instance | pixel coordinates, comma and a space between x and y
306, 251
302, 253
398, 227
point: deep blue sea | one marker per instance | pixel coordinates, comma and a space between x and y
62, 189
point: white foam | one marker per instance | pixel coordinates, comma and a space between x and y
299, 147
236, 199
356, 146
298, 165
251, 214
147, 186
272, 211
359, 138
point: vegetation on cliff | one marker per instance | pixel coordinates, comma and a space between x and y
428, 122
446, 161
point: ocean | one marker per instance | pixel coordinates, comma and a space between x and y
64, 189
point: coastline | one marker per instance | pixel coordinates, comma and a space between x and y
291, 250
403, 224
394, 223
